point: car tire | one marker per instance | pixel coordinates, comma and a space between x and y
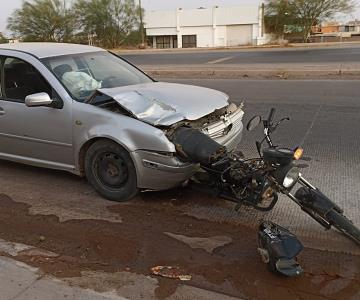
111, 171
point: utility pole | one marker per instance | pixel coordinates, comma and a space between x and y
141, 25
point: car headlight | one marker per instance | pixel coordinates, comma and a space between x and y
291, 178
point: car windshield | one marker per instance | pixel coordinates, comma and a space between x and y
83, 74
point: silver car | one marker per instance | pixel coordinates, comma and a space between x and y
87, 111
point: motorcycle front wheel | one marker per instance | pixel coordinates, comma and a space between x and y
326, 212
344, 225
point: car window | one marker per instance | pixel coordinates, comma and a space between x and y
83, 74
22, 79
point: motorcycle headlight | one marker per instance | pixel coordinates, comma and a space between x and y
298, 153
291, 178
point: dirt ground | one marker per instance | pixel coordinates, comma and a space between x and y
138, 243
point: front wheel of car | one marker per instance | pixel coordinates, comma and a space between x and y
111, 171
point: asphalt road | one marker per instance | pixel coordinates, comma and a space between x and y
345, 54
111, 247
325, 121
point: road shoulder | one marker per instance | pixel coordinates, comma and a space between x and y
256, 71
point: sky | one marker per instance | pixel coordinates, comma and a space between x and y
8, 6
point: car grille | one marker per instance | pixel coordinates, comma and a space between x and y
227, 131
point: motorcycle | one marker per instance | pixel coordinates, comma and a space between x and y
257, 182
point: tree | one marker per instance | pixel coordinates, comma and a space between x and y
302, 13
112, 21
3, 40
311, 12
42, 20
278, 15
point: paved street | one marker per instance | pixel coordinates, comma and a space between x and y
333, 55
332, 62
110, 247
325, 120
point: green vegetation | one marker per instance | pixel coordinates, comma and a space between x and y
302, 14
42, 20
109, 23
279, 14
3, 40
112, 21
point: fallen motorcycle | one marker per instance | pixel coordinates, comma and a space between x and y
256, 182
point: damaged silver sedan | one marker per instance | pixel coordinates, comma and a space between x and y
87, 111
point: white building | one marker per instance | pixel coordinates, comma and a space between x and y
205, 27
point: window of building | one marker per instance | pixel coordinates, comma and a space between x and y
189, 41
22, 79
175, 41
163, 42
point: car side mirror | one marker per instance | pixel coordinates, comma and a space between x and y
38, 99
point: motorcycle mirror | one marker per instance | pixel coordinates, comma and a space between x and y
253, 123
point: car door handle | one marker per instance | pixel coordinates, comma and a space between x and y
2, 111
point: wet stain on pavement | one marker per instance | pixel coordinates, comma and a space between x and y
139, 243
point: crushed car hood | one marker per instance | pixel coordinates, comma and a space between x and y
165, 104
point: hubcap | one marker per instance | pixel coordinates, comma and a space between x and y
111, 170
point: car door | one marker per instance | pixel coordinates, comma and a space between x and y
35, 135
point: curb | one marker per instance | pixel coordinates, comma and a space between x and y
256, 74
137, 51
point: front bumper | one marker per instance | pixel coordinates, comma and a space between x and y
157, 171
160, 172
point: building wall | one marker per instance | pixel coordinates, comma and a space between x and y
239, 35
204, 35
203, 17
160, 19
256, 32
247, 14
195, 17
220, 36
214, 27
330, 29
161, 31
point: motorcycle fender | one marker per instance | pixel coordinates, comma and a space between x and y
316, 200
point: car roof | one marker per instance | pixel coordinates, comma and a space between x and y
43, 50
